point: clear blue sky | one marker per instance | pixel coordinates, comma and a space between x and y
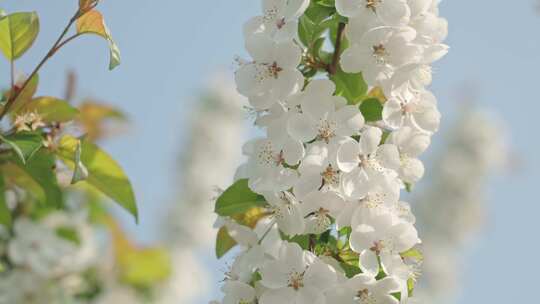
169, 48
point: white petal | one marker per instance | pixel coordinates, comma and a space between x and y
347, 155
351, 120
349, 8
388, 156
293, 151
301, 127
369, 140
287, 55
369, 263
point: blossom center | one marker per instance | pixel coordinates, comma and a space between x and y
327, 130
330, 176
280, 23
372, 4
274, 70
380, 53
296, 280
267, 156
365, 296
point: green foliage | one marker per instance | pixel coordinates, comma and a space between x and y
51, 109
413, 253
92, 22
351, 86
69, 234
18, 32
38, 177
5, 213
25, 144
371, 109
314, 23
224, 242
238, 199
104, 172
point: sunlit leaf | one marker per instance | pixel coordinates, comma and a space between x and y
51, 109
371, 109
413, 253
224, 242
351, 86
238, 199
92, 22
5, 213
18, 32
104, 172
25, 144
378, 93
25, 95
37, 177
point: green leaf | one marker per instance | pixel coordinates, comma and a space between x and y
92, 22
413, 253
5, 213
25, 144
69, 234
371, 109
51, 109
410, 286
40, 169
80, 172
327, 3
224, 242
18, 32
26, 94
104, 172
350, 270
238, 199
314, 23
351, 86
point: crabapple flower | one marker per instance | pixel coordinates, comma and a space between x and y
417, 109
365, 289
390, 12
411, 144
279, 19
238, 293
319, 208
266, 165
379, 52
272, 75
286, 210
296, 277
380, 234
324, 117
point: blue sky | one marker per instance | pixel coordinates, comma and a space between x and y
170, 48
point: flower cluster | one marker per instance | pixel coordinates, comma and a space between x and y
333, 228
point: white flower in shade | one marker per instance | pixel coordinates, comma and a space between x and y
390, 12
365, 162
382, 194
39, 248
365, 289
378, 233
243, 235
319, 208
238, 293
323, 117
245, 264
418, 109
318, 171
275, 121
272, 75
286, 210
296, 277
379, 52
411, 143
25, 287
265, 167
279, 19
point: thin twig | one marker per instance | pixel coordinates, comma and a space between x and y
13, 97
333, 67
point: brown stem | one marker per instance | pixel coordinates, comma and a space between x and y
333, 67
56, 46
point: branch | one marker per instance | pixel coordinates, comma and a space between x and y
56, 46
333, 67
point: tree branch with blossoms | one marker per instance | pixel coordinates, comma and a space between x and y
340, 91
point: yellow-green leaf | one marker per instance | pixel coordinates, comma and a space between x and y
94, 116
5, 213
25, 144
104, 172
26, 94
92, 22
224, 242
238, 199
51, 109
18, 32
